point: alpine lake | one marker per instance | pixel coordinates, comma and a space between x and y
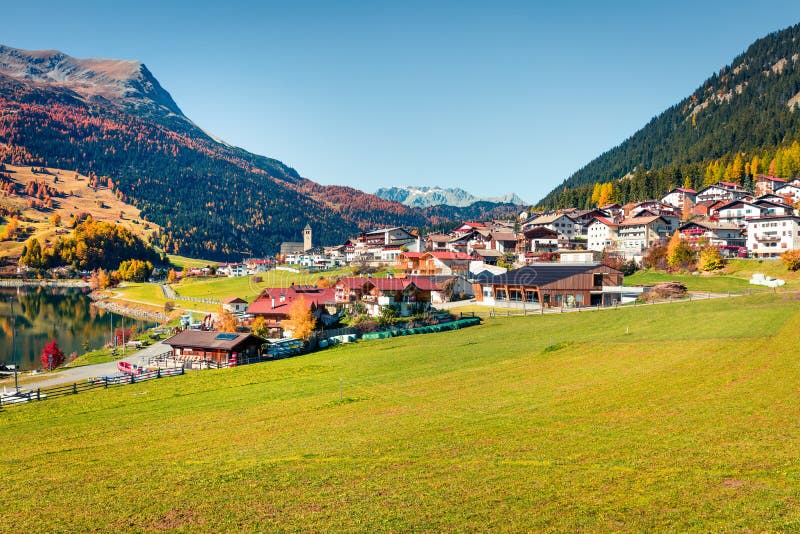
41, 314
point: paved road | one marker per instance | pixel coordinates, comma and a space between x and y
78, 374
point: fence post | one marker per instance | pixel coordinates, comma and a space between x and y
74, 388
133, 379
158, 372
38, 394
105, 382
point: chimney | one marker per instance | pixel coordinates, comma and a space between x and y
273, 303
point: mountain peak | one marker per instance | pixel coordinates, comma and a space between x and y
426, 196
124, 83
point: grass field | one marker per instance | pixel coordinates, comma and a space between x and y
734, 278
182, 261
564, 422
244, 287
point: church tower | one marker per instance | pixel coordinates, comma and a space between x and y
307, 238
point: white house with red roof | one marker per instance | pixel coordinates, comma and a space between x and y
679, 197
601, 234
767, 184
274, 304
722, 191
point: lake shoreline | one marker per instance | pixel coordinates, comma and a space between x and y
70, 283
101, 302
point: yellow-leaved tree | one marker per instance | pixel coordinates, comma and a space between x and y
301, 321
679, 253
260, 327
226, 320
710, 259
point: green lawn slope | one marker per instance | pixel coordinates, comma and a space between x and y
669, 417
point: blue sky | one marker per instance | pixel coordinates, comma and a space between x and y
489, 96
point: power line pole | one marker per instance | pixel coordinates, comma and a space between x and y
14, 345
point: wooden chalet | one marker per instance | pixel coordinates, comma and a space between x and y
554, 285
221, 348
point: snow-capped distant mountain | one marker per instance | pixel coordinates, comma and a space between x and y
423, 197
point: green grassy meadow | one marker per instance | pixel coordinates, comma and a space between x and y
245, 287
689, 421
734, 278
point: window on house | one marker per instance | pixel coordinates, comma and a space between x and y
597, 279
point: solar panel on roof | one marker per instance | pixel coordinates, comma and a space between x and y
226, 337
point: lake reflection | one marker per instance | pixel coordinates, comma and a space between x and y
63, 314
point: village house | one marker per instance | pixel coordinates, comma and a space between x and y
706, 208
260, 265
220, 348
767, 184
539, 239
436, 241
395, 236
681, 197
234, 305
468, 227
489, 256
433, 263
503, 241
771, 236
774, 207
602, 234
726, 191
737, 212
637, 234
561, 223
729, 238
553, 285
788, 192
275, 304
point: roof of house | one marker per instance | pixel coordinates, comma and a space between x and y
636, 221
447, 255
732, 185
540, 232
768, 217
765, 178
269, 301
547, 219
487, 252
429, 283
438, 238
504, 236
710, 225
425, 283
605, 221
234, 300
539, 275
412, 254
211, 340
684, 190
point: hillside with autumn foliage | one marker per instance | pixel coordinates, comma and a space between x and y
206, 198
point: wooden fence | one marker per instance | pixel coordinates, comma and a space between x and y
88, 385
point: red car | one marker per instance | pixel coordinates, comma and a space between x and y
129, 368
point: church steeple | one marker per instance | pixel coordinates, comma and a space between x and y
307, 238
